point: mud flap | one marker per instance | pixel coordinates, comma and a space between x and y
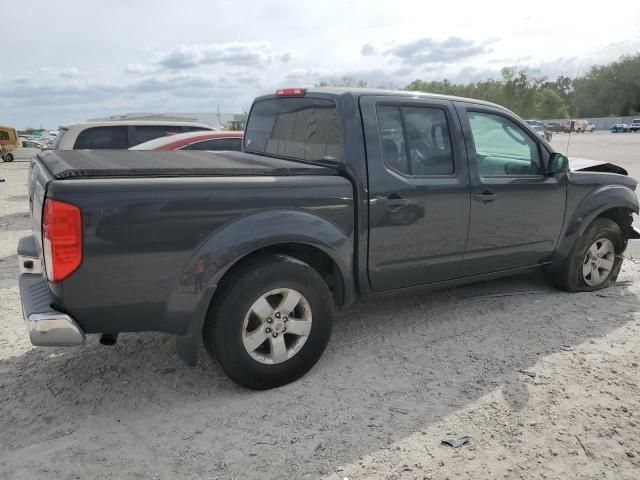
633, 232
188, 345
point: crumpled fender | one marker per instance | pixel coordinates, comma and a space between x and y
599, 200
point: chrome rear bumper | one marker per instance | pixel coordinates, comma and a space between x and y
54, 330
47, 327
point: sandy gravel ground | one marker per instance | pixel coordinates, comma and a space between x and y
545, 384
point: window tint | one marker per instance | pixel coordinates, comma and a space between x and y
303, 128
216, 144
102, 138
415, 140
144, 133
4, 135
503, 148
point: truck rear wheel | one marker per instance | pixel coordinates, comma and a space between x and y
595, 260
270, 322
8, 158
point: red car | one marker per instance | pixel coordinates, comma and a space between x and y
203, 140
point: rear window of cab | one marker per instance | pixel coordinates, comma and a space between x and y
300, 128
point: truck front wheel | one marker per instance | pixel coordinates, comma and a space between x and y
270, 321
595, 260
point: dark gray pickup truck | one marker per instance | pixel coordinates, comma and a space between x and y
338, 194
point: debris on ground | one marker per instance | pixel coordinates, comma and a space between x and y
456, 442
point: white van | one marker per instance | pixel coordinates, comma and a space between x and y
118, 134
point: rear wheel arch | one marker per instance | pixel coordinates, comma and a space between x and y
246, 351
318, 259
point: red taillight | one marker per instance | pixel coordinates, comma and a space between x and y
291, 92
62, 239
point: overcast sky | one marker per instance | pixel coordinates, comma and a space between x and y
71, 60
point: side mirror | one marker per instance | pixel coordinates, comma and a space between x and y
558, 163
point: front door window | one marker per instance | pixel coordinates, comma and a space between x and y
502, 147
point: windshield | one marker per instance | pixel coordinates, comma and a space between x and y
300, 128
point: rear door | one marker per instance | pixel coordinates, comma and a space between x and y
418, 191
516, 211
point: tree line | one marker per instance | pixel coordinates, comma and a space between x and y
603, 91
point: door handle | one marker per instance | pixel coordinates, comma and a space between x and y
486, 196
393, 202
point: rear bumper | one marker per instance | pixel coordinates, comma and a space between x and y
47, 327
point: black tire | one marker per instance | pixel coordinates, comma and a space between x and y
570, 276
8, 158
224, 326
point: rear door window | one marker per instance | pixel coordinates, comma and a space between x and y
216, 144
101, 138
415, 140
300, 128
144, 133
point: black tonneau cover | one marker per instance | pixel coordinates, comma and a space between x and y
70, 164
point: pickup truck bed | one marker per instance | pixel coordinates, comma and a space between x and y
124, 163
170, 224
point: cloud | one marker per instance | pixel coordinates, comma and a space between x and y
430, 51
252, 54
368, 50
71, 72
139, 68
341, 77
45, 90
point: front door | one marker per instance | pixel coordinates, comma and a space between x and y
418, 191
516, 210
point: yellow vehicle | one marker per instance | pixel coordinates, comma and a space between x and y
9, 140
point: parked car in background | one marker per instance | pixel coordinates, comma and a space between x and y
204, 140
635, 125
620, 128
555, 127
543, 132
535, 123
337, 194
26, 151
9, 139
118, 135
578, 126
590, 127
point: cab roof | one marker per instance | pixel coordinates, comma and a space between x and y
357, 92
